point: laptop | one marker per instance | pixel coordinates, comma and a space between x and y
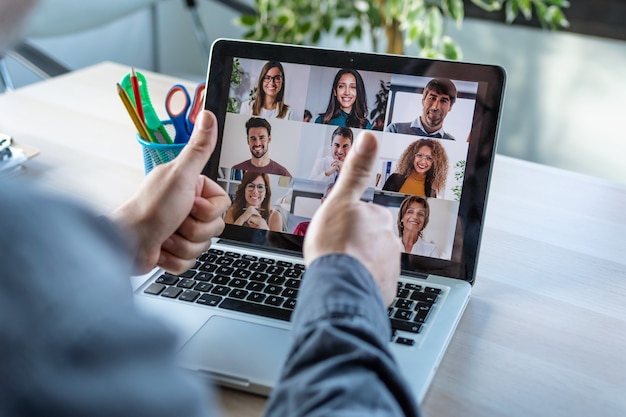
232, 309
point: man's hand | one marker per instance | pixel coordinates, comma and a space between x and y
177, 210
365, 231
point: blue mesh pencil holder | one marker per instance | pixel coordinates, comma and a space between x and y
159, 153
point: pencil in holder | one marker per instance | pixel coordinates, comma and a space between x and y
158, 153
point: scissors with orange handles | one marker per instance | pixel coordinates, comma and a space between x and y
183, 110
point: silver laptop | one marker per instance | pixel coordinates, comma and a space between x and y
232, 309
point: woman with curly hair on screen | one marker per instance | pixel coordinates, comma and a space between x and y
422, 170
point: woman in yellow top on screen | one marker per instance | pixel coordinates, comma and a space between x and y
251, 205
422, 170
270, 94
347, 106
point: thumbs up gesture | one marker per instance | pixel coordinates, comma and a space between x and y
345, 224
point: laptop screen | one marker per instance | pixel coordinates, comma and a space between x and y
287, 118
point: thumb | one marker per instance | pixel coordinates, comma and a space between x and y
196, 153
356, 169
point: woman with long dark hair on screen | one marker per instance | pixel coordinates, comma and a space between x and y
347, 105
270, 94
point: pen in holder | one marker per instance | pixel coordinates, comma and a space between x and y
158, 153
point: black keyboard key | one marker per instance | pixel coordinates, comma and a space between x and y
432, 290
276, 270
272, 289
423, 310
258, 267
189, 295
284, 264
203, 276
224, 261
257, 309
188, 274
220, 290
154, 289
292, 283
220, 280
224, 270
424, 298
238, 293
274, 300
405, 341
208, 257
216, 251
410, 286
290, 292
242, 273
241, 263
402, 293
250, 258
275, 280
403, 314
171, 292
258, 276
186, 283
237, 283
406, 326
293, 273
208, 267
233, 254
203, 286
267, 261
257, 297
290, 303
404, 304
209, 300
255, 286
167, 279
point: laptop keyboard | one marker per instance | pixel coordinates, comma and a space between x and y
269, 288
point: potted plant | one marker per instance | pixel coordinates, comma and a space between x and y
400, 22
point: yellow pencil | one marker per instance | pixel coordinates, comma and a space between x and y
139, 125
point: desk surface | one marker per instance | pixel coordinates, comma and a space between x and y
543, 332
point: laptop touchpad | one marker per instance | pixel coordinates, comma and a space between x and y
237, 349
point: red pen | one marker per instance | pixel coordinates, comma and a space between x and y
138, 104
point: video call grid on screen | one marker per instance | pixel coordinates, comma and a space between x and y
297, 145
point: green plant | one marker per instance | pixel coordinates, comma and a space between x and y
420, 22
377, 115
235, 80
459, 173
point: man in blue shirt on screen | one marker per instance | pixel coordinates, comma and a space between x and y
438, 98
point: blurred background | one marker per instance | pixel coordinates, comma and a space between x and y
565, 97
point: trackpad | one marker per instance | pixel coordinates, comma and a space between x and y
239, 350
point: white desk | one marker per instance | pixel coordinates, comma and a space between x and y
544, 332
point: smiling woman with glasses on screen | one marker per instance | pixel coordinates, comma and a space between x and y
422, 170
251, 205
270, 94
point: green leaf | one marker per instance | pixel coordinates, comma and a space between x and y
451, 50
247, 20
526, 8
511, 11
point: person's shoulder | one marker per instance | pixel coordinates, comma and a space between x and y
447, 135
245, 165
277, 169
318, 119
